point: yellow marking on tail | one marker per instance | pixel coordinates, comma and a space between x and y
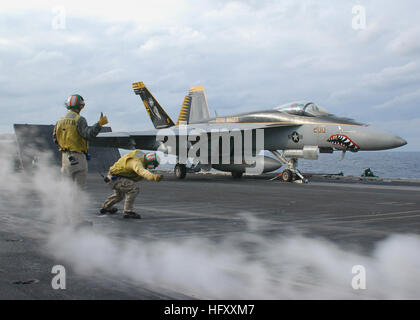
184, 113
196, 88
138, 85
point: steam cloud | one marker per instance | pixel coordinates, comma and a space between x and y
245, 266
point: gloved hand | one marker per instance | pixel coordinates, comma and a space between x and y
103, 120
158, 177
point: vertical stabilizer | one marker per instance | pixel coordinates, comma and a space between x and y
199, 107
157, 114
195, 108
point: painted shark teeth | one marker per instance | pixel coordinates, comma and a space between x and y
343, 141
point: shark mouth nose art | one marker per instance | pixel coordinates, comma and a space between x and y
343, 141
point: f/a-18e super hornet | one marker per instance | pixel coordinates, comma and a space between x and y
299, 129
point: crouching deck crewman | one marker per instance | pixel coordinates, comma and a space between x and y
72, 134
123, 177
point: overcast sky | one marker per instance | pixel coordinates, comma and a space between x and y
249, 55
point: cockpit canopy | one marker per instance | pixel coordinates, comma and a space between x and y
302, 108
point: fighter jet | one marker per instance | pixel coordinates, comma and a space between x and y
290, 131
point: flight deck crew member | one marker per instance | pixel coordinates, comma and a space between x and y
72, 134
123, 177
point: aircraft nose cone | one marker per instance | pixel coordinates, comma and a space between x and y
369, 138
399, 142
383, 140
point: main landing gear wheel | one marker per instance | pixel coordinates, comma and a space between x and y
287, 175
180, 171
237, 175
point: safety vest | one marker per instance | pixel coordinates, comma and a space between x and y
68, 137
120, 167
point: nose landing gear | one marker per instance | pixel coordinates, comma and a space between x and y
291, 173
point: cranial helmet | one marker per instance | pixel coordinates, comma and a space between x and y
75, 101
151, 159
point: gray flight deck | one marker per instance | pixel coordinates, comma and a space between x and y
350, 213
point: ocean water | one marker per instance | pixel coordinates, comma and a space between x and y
386, 164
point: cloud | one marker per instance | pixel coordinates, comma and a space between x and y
410, 100
394, 76
406, 43
394, 88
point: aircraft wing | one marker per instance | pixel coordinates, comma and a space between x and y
147, 139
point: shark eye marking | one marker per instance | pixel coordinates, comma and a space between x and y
343, 141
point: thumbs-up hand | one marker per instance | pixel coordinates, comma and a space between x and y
103, 120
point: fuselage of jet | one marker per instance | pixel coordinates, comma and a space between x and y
327, 131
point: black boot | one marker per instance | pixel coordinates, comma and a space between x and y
104, 211
131, 215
